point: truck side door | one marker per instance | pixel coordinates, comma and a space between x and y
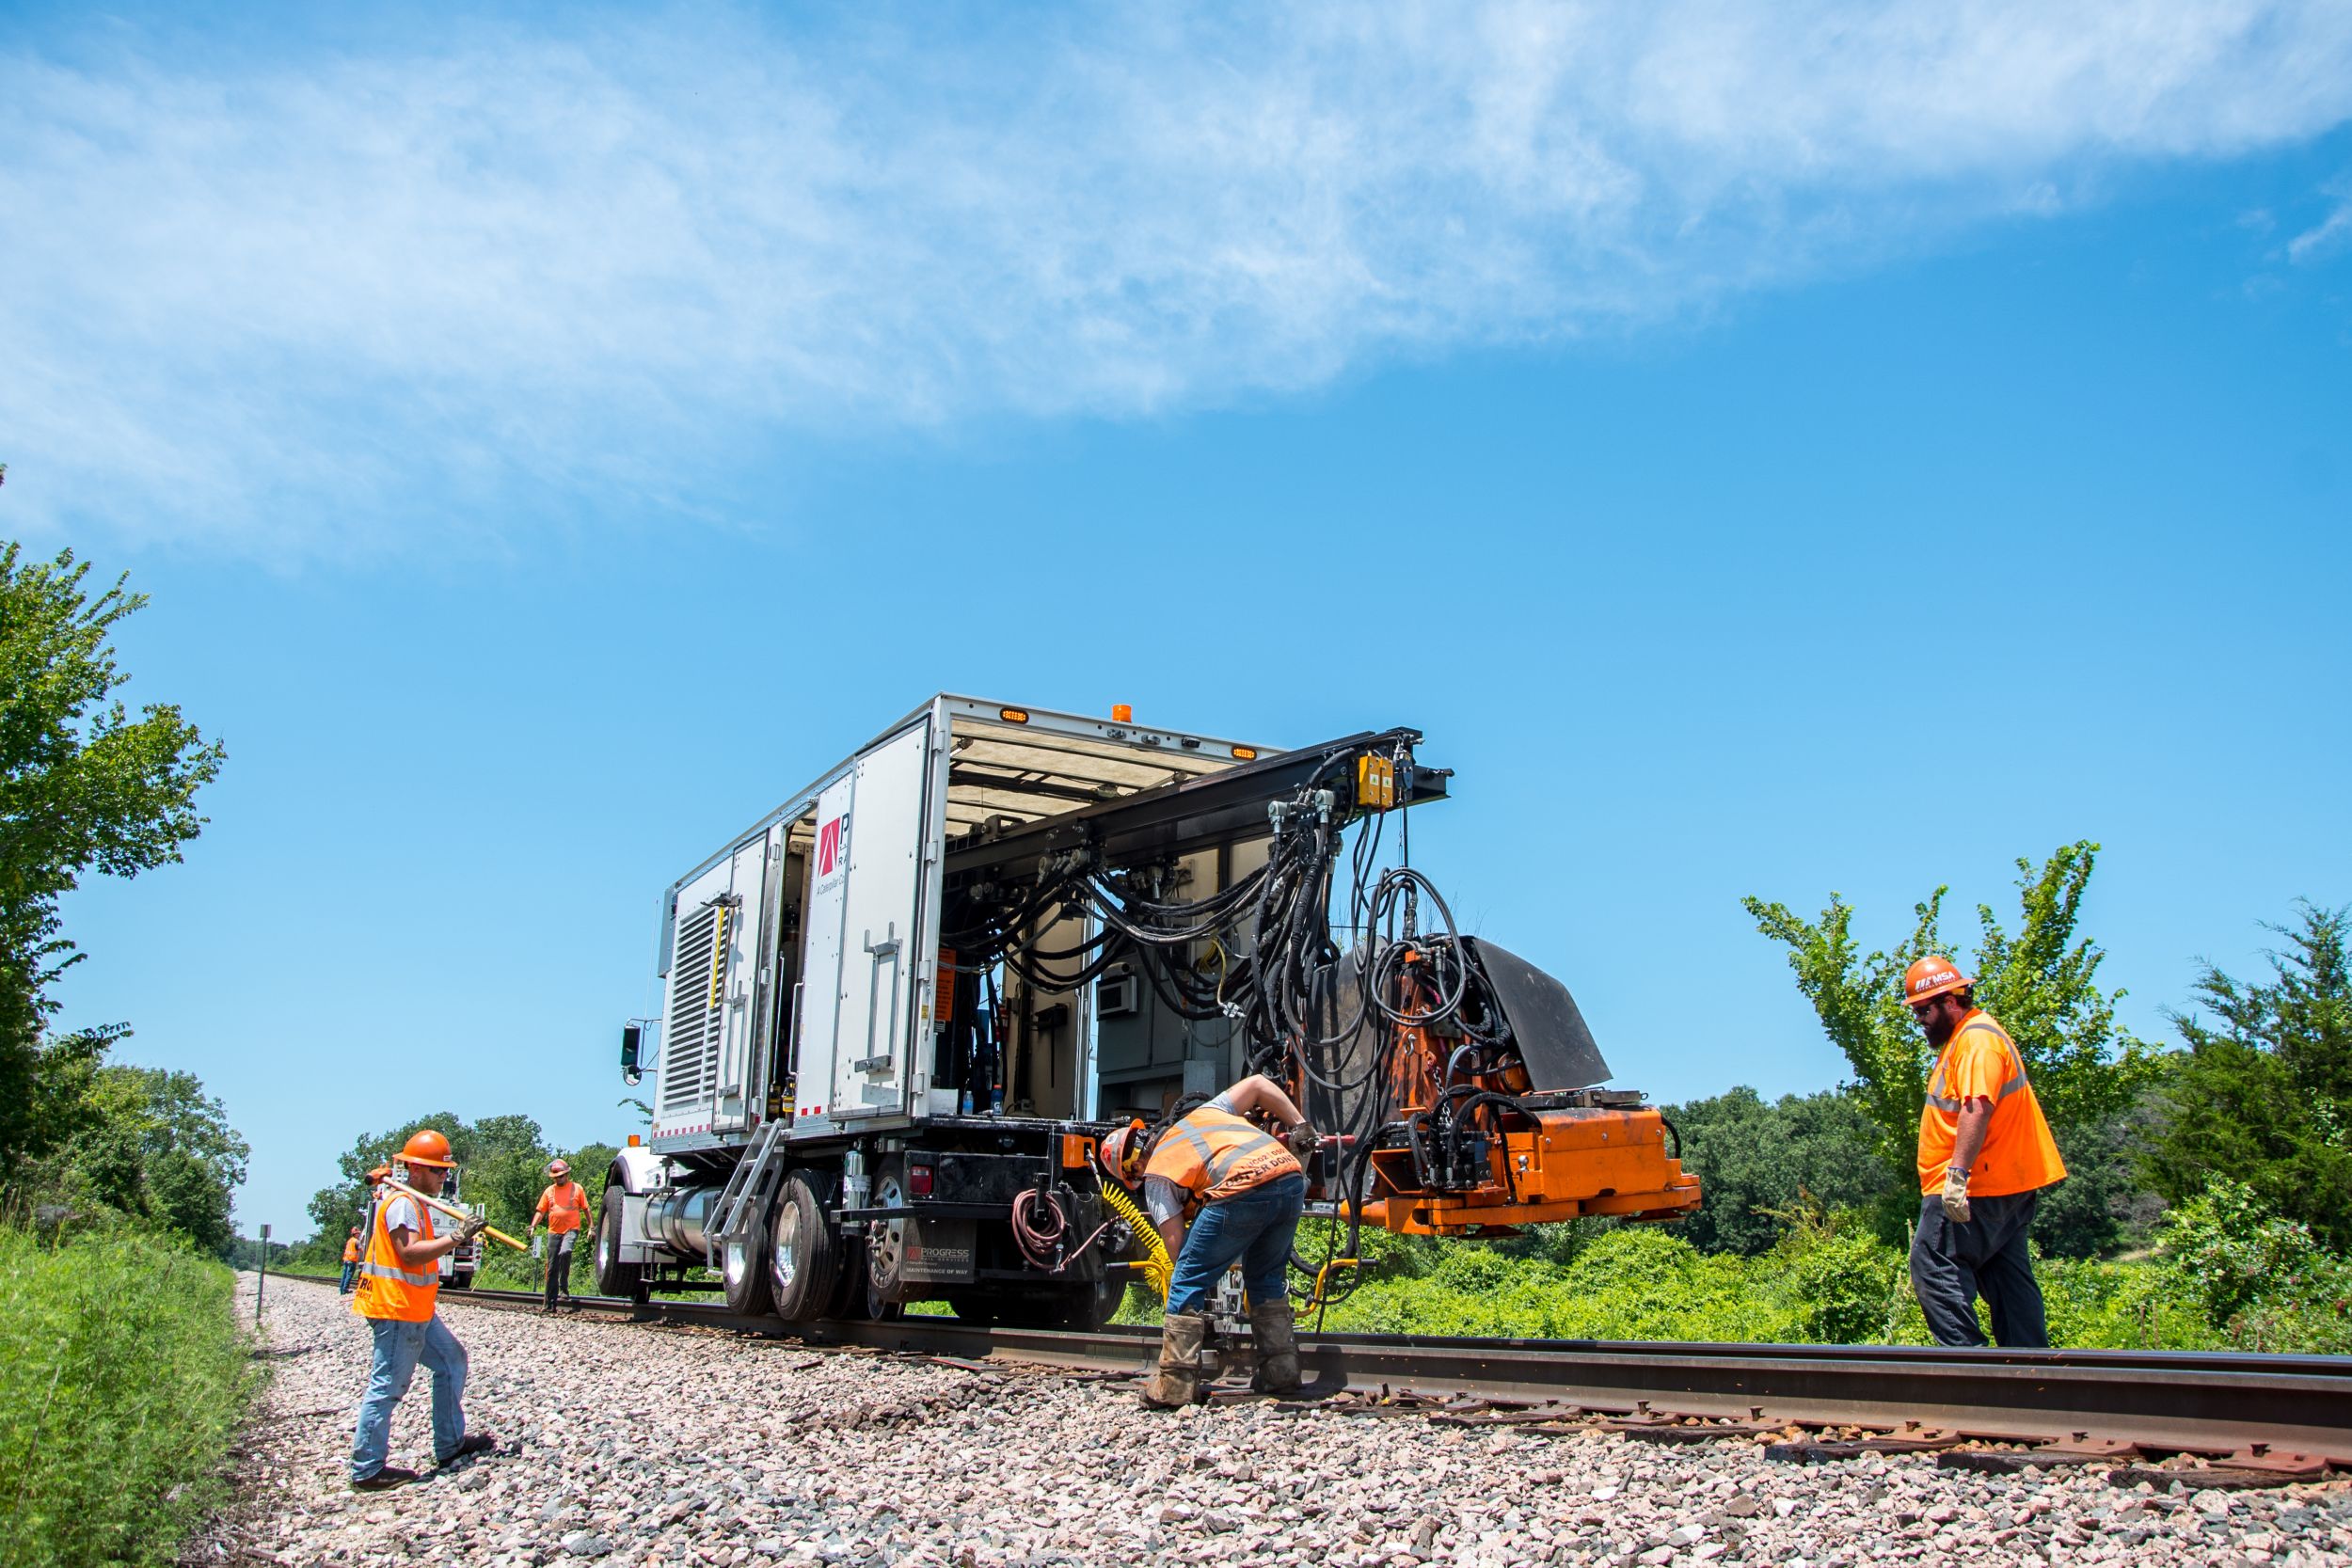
874, 907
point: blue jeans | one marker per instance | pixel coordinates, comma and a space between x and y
398, 1349
1256, 1227
349, 1269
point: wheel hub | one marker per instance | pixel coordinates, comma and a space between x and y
886, 1242
788, 1246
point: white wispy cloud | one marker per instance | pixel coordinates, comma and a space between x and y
261, 303
2325, 238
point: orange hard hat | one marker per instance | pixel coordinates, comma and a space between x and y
426, 1147
1930, 977
1122, 1150
559, 1167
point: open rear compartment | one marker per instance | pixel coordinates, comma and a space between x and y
1039, 1016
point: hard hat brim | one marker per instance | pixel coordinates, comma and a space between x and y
428, 1160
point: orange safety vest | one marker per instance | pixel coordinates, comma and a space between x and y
387, 1288
351, 1249
1215, 1154
563, 1205
1981, 1062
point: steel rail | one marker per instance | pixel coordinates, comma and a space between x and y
2214, 1403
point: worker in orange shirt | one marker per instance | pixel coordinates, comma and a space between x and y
561, 1208
1985, 1154
351, 1259
1244, 1189
400, 1279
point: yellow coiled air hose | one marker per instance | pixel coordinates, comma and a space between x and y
1158, 1269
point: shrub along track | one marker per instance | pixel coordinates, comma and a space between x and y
2205, 1419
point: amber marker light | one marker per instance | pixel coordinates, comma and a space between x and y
1247, 753
1013, 715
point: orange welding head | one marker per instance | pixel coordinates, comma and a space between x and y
426, 1147
1932, 977
1121, 1154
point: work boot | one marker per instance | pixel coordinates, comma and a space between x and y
1178, 1380
1274, 1334
385, 1480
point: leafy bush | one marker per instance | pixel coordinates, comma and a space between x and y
1838, 1282
2226, 1247
123, 1376
2256, 1276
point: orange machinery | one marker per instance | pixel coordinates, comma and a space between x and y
1483, 1113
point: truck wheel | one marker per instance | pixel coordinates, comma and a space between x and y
615, 1278
886, 1246
803, 1252
743, 1270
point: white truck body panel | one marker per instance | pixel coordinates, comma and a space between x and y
872, 834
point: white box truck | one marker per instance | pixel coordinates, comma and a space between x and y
900, 1011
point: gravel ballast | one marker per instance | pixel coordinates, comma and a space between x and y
622, 1445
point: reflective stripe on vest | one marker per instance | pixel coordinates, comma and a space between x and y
1213, 1167
2015, 1082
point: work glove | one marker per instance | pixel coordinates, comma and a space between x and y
1302, 1141
472, 1227
1956, 1195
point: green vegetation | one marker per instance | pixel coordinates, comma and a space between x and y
123, 1376
2265, 1092
122, 1372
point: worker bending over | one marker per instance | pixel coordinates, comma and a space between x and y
1985, 1154
560, 1209
1244, 1189
400, 1279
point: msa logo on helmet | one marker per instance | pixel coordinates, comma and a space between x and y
832, 841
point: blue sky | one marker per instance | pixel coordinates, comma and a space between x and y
1848, 451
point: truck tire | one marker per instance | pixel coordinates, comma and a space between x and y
804, 1250
881, 1287
743, 1268
614, 1277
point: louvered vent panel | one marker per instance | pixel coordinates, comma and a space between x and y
690, 1054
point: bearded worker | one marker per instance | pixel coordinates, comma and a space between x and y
1985, 1154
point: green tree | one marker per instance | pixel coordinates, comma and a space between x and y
2041, 983
143, 1142
84, 785
2264, 1092
1757, 1159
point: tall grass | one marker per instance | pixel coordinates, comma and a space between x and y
124, 1377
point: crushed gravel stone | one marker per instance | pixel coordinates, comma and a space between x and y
623, 1444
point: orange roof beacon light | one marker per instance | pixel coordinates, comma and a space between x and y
1122, 713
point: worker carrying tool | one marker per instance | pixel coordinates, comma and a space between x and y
1985, 1154
1244, 1188
351, 1261
560, 1209
399, 1281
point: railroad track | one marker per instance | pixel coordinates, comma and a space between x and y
2244, 1419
